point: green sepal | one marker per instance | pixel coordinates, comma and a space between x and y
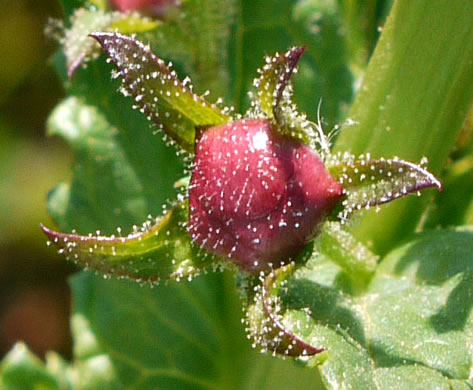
274, 79
368, 182
265, 324
273, 99
280, 330
357, 261
79, 48
157, 91
159, 251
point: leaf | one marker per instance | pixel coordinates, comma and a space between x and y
412, 104
90, 370
21, 370
159, 251
157, 91
107, 168
265, 324
197, 39
78, 46
361, 21
368, 183
413, 320
454, 206
184, 335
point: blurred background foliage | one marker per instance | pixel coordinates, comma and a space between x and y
34, 296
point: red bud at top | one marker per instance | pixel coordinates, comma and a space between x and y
156, 8
255, 196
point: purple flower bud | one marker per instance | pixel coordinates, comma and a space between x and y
255, 196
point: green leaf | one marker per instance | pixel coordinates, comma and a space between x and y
90, 370
454, 206
161, 250
368, 183
184, 335
110, 177
220, 44
414, 320
414, 99
157, 91
21, 370
79, 48
361, 21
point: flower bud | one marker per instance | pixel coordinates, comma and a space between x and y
157, 8
257, 197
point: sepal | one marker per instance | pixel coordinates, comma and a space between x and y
371, 182
157, 91
273, 98
265, 322
79, 48
163, 251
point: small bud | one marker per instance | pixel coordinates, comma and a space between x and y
157, 8
257, 197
